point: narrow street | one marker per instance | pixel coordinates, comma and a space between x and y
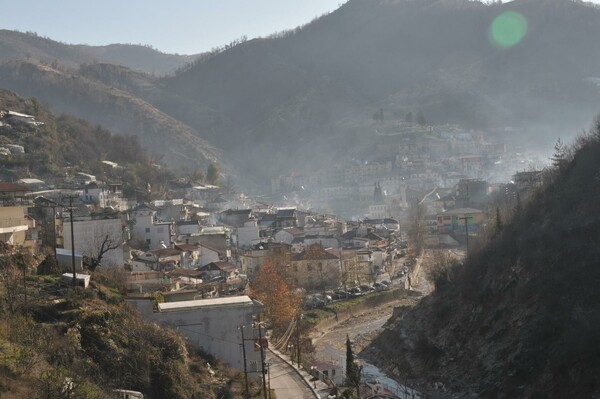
286, 381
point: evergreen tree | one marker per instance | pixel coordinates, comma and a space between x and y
212, 173
352, 369
559, 158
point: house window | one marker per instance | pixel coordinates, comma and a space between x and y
147, 229
253, 365
309, 267
320, 267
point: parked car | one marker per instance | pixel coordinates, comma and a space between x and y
365, 288
354, 291
313, 301
386, 282
341, 293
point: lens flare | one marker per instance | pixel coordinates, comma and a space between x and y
508, 29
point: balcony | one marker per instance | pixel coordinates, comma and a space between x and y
12, 225
9, 200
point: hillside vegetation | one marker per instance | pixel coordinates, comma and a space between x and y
64, 145
57, 342
521, 317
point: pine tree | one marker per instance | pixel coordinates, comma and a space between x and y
559, 158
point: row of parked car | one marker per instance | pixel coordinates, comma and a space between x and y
313, 301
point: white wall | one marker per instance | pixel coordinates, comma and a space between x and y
248, 235
215, 329
89, 235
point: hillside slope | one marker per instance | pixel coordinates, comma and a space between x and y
60, 343
64, 145
522, 317
117, 110
407, 53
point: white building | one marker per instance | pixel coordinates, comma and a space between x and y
149, 230
89, 235
214, 325
248, 234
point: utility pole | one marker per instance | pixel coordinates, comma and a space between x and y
269, 373
298, 360
72, 242
262, 357
54, 230
247, 393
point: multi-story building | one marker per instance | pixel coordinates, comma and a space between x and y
314, 268
147, 229
14, 223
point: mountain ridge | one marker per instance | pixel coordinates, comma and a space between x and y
30, 46
400, 56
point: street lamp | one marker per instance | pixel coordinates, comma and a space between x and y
291, 350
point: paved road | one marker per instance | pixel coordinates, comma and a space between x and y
285, 381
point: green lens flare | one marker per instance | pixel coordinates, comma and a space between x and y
508, 29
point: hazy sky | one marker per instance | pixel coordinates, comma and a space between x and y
181, 26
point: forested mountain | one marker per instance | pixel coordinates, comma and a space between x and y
521, 317
31, 47
305, 97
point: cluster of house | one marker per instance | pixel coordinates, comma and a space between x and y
409, 162
197, 241
12, 118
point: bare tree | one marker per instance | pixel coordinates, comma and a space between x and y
228, 186
107, 244
98, 243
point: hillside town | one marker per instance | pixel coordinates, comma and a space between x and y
200, 247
